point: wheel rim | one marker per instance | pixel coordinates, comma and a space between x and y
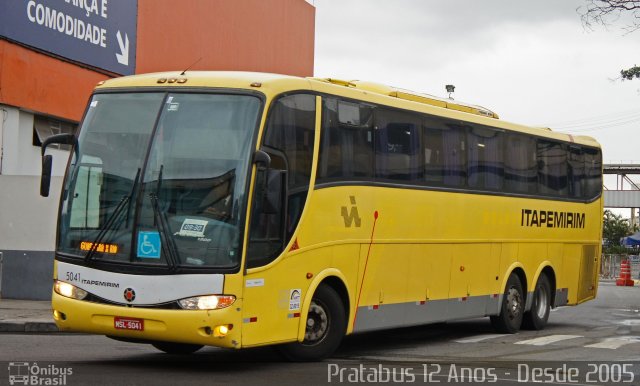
542, 301
317, 324
514, 303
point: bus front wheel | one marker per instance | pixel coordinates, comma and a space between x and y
325, 327
177, 348
511, 311
536, 318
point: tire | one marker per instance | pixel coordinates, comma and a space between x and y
326, 324
512, 309
536, 318
177, 348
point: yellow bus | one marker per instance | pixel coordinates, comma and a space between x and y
244, 209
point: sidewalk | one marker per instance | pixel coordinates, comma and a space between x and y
26, 316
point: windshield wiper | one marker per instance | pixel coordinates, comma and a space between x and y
168, 244
111, 220
133, 189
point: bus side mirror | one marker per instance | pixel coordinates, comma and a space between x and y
47, 160
45, 178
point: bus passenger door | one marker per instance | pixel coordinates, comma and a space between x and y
271, 297
272, 293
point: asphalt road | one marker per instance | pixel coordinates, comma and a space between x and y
595, 343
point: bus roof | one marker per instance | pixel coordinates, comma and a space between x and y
412, 96
274, 84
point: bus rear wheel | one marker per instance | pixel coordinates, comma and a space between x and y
511, 311
325, 327
177, 348
536, 318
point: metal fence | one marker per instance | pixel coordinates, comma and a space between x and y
610, 266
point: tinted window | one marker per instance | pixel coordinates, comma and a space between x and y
593, 173
288, 139
346, 149
520, 169
552, 168
485, 165
397, 146
455, 163
445, 154
576, 172
419, 149
433, 152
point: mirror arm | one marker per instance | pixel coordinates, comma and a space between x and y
63, 139
261, 159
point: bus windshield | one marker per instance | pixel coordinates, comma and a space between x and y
159, 179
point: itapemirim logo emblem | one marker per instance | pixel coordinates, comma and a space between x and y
351, 215
25, 373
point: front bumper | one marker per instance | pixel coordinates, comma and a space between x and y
180, 326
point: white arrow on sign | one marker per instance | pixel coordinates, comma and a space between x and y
123, 56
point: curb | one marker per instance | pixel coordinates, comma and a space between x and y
16, 326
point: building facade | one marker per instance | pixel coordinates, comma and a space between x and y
53, 53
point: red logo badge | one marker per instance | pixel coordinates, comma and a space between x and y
129, 294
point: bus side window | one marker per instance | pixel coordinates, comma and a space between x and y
576, 174
552, 168
486, 158
330, 146
455, 162
397, 146
433, 153
346, 147
521, 170
288, 139
593, 173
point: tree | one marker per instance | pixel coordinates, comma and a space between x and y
630, 73
606, 12
614, 229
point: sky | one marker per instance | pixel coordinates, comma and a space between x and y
531, 62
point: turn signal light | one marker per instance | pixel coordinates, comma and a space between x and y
222, 330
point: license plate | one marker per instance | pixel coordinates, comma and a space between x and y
128, 323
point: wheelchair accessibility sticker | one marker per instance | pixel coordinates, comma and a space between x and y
149, 245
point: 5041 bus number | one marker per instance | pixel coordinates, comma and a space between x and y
72, 276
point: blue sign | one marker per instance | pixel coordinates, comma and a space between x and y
149, 245
100, 33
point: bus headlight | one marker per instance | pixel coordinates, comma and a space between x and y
69, 290
209, 302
